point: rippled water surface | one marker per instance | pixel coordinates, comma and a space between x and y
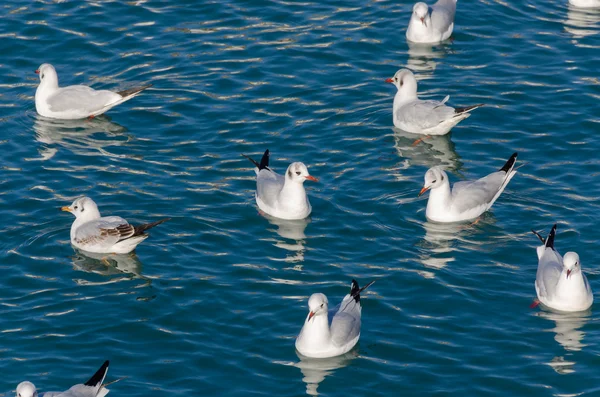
211, 303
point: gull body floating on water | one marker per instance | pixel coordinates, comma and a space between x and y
585, 3
75, 101
431, 24
282, 196
330, 333
467, 200
94, 387
427, 117
560, 283
109, 234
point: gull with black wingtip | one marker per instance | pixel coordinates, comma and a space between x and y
104, 234
281, 196
431, 24
330, 333
75, 101
418, 116
467, 200
560, 283
94, 387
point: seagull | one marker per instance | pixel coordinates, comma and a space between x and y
585, 3
468, 199
104, 235
279, 196
331, 333
431, 25
560, 283
92, 388
75, 101
427, 117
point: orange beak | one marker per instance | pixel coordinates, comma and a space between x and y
37, 71
390, 80
423, 190
423, 21
312, 178
65, 209
310, 315
568, 273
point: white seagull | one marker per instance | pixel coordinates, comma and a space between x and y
467, 200
560, 283
92, 388
75, 101
585, 3
330, 333
427, 117
431, 25
280, 196
104, 235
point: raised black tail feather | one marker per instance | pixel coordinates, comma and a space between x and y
510, 163
140, 229
550, 238
264, 161
99, 376
355, 290
132, 91
467, 108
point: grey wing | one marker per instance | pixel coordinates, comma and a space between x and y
345, 325
442, 15
268, 186
76, 391
472, 194
425, 114
549, 270
104, 231
81, 97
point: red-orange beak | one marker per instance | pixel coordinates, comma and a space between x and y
37, 71
423, 190
423, 21
390, 80
310, 315
312, 178
568, 273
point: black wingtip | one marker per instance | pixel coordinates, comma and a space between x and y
510, 163
140, 229
355, 290
264, 161
99, 376
467, 108
550, 238
132, 91
539, 236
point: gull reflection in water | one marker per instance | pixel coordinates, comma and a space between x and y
427, 151
290, 230
422, 58
107, 264
315, 370
582, 22
78, 136
568, 333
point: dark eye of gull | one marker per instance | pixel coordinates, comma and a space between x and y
298, 172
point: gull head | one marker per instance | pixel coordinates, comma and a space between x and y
405, 82
421, 12
297, 172
434, 178
47, 74
571, 263
26, 389
317, 304
83, 207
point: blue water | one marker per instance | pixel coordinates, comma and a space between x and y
213, 300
